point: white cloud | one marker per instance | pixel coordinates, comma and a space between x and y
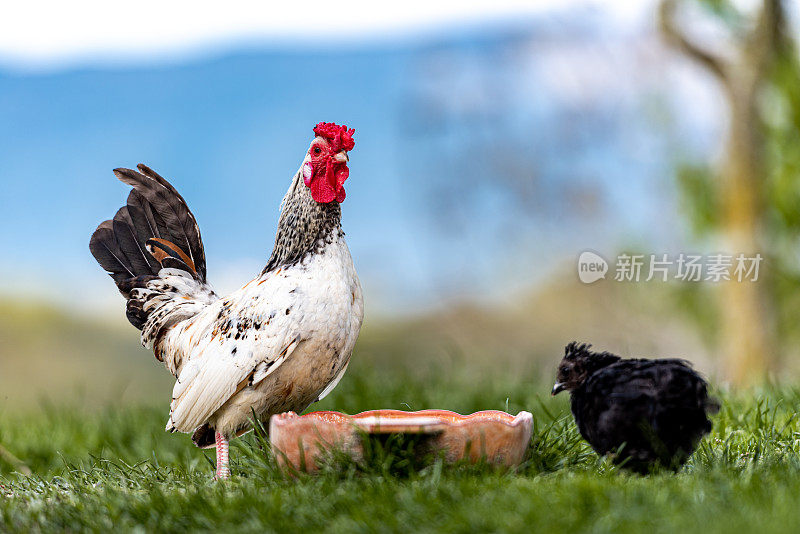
44, 33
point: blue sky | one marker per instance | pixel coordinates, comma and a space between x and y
575, 97
229, 133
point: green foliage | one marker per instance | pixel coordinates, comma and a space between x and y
779, 127
117, 469
698, 190
781, 111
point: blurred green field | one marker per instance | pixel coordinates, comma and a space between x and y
55, 355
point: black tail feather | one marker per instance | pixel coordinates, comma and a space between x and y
157, 196
153, 231
141, 261
108, 254
146, 223
171, 208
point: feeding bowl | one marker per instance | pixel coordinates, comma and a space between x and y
493, 436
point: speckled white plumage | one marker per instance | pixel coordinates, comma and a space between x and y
308, 314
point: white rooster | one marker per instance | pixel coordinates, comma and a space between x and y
282, 341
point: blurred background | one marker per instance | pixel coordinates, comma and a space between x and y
495, 142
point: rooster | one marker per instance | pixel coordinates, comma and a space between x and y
280, 342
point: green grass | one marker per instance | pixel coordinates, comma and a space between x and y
115, 468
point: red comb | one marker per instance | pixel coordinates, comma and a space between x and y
339, 137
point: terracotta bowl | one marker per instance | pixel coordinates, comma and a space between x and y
493, 436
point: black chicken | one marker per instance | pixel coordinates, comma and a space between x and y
642, 412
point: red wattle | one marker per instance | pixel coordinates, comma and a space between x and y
321, 190
342, 173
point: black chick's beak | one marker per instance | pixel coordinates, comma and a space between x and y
558, 387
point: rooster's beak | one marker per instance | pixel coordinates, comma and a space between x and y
341, 157
558, 388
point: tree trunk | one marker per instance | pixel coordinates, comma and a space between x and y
746, 306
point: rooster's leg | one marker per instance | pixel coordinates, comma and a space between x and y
223, 470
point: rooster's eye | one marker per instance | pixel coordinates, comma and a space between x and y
317, 150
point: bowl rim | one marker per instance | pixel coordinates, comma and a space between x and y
396, 420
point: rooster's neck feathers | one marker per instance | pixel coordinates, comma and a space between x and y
305, 226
